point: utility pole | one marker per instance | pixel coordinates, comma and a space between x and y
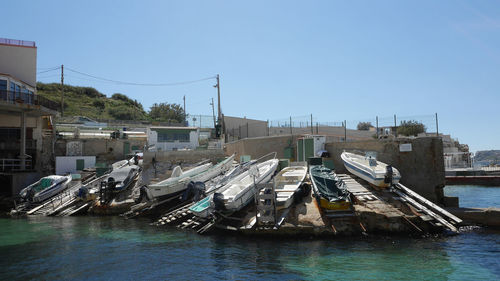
62, 90
213, 111
184, 98
218, 98
220, 126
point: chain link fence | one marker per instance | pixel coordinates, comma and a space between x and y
341, 130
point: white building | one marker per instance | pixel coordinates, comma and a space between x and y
173, 138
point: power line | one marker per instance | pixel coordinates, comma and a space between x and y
44, 68
140, 84
52, 69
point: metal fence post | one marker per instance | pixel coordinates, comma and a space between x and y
345, 130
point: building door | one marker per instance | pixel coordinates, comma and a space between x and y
126, 148
80, 164
308, 148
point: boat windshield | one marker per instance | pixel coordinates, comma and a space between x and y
44, 183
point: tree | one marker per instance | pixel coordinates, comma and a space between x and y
364, 126
167, 112
411, 128
100, 105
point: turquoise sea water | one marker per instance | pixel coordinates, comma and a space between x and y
111, 248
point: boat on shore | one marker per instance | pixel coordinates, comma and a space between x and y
371, 170
240, 191
45, 188
120, 178
179, 180
329, 190
286, 183
204, 207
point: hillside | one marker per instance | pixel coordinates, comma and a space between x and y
87, 101
487, 155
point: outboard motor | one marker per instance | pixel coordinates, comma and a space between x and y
136, 159
218, 201
144, 193
194, 190
388, 174
83, 192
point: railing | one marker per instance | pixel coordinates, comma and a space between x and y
28, 98
17, 42
14, 164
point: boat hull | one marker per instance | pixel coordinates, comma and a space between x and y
52, 191
286, 183
175, 187
365, 172
341, 205
203, 208
329, 190
237, 201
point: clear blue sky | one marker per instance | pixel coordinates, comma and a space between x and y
339, 60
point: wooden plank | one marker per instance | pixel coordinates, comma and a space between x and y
427, 211
429, 203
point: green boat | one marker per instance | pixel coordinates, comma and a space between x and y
329, 190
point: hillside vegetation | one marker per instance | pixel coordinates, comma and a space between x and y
87, 101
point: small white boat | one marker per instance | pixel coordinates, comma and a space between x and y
286, 183
240, 191
179, 180
371, 170
205, 206
45, 188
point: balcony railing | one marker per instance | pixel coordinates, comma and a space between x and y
15, 165
16, 42
28, 98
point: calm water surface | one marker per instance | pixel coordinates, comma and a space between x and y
118, 249
475, 196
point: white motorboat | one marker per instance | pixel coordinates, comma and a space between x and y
45, 188
179, 180
205, 206
286, 183
240, 191
371, 170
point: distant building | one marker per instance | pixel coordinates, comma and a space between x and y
26, 132
173, 138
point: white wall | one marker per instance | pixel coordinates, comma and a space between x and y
19, 62
164, 146
67, 164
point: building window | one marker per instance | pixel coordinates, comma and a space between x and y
12, 91
18, 91
173, 136
3, 85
